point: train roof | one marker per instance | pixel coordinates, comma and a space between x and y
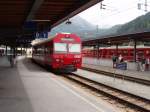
39, 41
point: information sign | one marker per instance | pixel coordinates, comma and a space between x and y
122, 66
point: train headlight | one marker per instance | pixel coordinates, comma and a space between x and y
77, 56
77, 61
57, 60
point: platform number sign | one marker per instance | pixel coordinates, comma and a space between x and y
41, 35
36, 35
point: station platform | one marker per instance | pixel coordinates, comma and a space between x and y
131, 87
30, 88
106, 65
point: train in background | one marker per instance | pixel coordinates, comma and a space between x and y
126, 51
61, 52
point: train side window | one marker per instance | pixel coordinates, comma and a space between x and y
125, 53
42, 51
141, 52
46, 49
119, 52
131, 53
35, 50
50, 49
148, 52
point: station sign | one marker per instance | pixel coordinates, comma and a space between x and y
41, 35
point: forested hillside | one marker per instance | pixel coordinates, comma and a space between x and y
140, 24
86, 30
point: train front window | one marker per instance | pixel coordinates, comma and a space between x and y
74, 48
60, 47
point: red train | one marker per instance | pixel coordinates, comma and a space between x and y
127, 52
61, 52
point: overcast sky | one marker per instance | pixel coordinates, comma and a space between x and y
116, 12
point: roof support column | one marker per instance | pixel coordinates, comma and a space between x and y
117, 50
134, 52
98, 45
6, 50
14, 51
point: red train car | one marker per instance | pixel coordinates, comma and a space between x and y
127, 52
61, 52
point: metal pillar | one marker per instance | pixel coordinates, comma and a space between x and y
11, 50
14, 52
134, 52
98, 50
117, 50
24, 47
6, 50
21, 51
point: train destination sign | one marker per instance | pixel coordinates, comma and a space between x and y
67, 39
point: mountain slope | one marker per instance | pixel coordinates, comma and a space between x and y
139, 24
86, 30
78, 25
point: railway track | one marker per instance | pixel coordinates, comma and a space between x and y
126, 99
119, 76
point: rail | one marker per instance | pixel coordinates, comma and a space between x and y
127, 99
119, 76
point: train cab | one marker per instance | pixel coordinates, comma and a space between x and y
61, 52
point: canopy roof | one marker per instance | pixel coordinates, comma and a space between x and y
118, 39
19, 19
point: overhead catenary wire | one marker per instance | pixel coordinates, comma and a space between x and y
116, 11
108, 10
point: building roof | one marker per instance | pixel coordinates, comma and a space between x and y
118, 39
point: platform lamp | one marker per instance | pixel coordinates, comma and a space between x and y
68, 22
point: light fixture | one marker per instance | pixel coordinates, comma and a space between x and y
68, 22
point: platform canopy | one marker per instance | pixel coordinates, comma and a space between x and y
118, 39
19, 19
